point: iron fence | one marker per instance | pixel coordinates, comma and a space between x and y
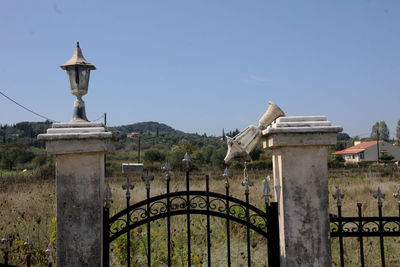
364, 226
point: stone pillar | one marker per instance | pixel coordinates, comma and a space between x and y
300, 167
79, 149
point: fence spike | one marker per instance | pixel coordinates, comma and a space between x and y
186, 159
339, 196
148, 178
167, 167
266, 190
379, 195
127, 186
246, 181
226, 175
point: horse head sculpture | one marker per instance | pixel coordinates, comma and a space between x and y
247, 140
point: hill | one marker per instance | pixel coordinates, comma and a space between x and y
154, 133
150, 126
151, 133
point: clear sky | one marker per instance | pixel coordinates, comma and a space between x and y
200, 66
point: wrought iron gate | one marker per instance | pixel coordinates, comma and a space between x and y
186, 203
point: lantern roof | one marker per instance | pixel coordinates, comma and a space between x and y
77, 59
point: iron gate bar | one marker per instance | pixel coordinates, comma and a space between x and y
208, 221
128, 186
148, 228
188, 217
128, 236
360, 238
168, 221
381, 237
106, 235
248, 230
228, 234
341, 238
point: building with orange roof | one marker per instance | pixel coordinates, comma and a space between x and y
368, 151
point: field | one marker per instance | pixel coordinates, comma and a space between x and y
27, 209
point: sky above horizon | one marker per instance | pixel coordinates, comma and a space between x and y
200, 66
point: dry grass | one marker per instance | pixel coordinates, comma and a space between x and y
26, 210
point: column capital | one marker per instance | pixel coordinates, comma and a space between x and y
77, 137
300, 131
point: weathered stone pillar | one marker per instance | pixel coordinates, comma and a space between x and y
300, 155
79, 149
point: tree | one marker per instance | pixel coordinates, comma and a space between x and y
384, 131
207, 152
154, 155
217, 158
381, 129
175, 157
398, 132
375, 130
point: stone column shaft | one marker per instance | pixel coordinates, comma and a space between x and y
79, 151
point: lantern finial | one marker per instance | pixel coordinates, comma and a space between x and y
78, 70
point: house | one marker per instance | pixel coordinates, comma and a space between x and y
368, 151
133, 134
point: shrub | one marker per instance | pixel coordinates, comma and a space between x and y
386, 157
154, 155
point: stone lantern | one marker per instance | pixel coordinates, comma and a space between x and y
78, 70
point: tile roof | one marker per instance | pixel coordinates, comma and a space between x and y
357, 148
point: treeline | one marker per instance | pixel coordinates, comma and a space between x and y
24, 133
203, 158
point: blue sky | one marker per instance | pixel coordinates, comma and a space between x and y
200, 66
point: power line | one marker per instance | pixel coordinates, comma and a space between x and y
102, 116
37, 114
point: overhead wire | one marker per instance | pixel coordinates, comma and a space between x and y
22, 106
37, 114
102, 116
